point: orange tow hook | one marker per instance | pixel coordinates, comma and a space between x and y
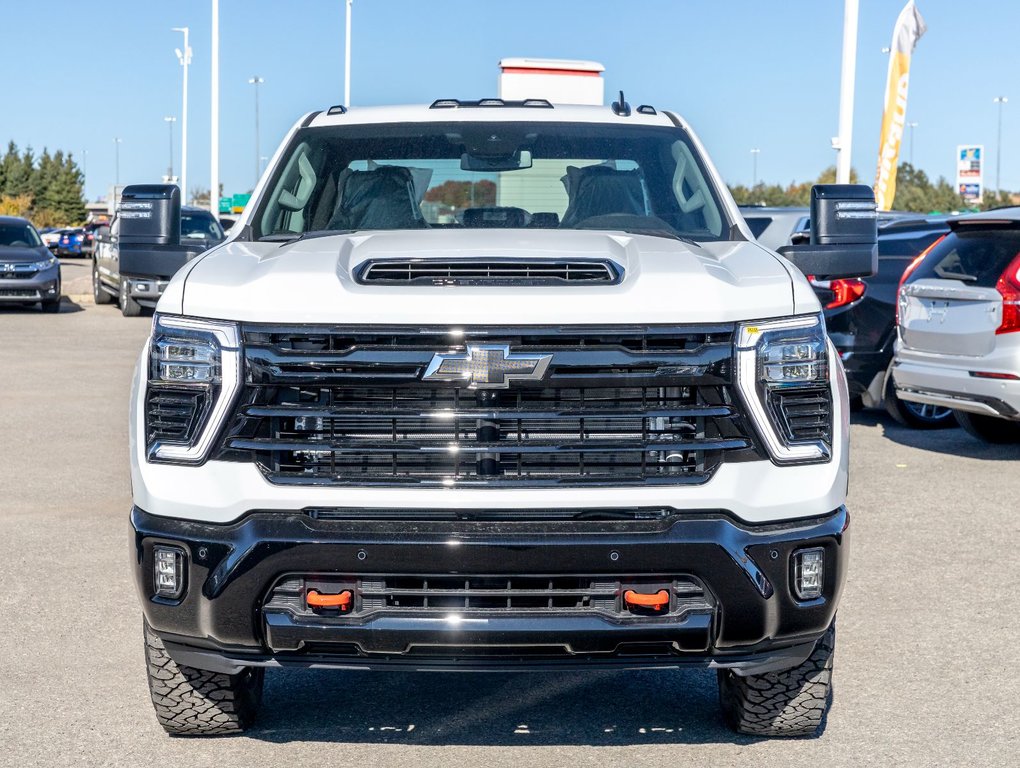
316, 599
656, 602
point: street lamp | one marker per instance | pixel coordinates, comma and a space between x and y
754, 161
1001, 101
184, 57
116, 147
912, 126
214, 119
169, 120
257, 81
347, 56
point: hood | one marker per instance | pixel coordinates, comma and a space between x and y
312, 281
16, 254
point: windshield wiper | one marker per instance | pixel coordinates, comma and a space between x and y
292, 237
662, 233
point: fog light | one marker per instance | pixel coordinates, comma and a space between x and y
168, 571
808, 573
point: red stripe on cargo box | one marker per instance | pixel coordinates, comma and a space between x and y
530, 71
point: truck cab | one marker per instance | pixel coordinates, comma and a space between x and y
495, 385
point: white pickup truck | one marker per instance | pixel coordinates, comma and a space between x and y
495, 385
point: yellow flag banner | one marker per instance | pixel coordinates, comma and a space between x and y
908, 30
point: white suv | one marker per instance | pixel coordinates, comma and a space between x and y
959, 325
490, 385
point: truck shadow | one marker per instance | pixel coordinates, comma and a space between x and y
953, 441
600, 708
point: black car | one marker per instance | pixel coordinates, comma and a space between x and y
861, 318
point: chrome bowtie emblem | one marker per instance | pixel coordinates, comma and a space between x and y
485, 366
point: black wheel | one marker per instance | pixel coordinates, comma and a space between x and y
989, 428
788, 703
128, 306
51, 305
916, 415
99, 295
196, 702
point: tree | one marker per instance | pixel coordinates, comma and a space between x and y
916, 192
47, 190
463, 194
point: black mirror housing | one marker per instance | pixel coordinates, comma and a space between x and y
844, 233
150, 214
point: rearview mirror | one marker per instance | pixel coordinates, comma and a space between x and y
516, 161
844, 233
150, 214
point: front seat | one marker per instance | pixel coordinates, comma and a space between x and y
600, 190
381, 198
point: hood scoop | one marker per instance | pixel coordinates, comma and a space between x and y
492, 271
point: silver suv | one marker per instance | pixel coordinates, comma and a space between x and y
959, 325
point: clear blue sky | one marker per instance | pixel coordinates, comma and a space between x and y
745, 73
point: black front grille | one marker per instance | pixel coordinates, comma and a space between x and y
19, 293
488, 272
18, 274
470, 594
618, 406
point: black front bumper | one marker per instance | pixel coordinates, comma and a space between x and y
753, 624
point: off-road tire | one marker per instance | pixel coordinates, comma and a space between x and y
916, 415
989, 428
128, 306
788, 703
99, 294
196, 702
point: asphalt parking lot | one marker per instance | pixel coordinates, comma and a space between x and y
925, 664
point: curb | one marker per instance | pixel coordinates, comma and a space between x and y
80, 298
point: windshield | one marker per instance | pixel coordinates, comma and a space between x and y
473, 175
200, 226
19, 235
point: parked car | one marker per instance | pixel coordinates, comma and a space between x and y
88, 243
860, 314
70, 242
622, 410
773, 227
29, 273
133, 292
959, 326
51, 237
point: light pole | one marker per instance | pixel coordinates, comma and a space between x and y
257, 81
214, 121
347, 56
84, 172
170, 120
1001, 101
116, 150
846, 91
912, 126
754, 163
184, 57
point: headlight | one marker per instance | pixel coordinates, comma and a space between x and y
52, 261
783, 376
194, 375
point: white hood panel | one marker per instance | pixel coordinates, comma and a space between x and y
312, 281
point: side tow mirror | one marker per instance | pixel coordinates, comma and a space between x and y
150, 214
844, 233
